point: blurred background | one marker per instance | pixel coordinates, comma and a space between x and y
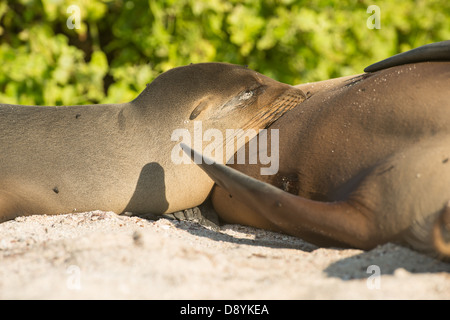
118, 46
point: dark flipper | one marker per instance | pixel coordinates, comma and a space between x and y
439, 51
294, 215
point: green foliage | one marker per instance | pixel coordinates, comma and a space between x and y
121, 45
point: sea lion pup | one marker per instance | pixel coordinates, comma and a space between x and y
119, 157
363, 161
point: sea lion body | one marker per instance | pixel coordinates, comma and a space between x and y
117, 157
363, 161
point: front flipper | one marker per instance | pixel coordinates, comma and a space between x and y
439, 51
340, 222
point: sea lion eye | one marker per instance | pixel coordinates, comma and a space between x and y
251, 92
247, 94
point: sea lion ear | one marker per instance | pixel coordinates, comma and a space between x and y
203, 105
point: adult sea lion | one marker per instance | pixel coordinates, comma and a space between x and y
364, 160
117, 157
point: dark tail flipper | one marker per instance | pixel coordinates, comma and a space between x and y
338, 221
439, 51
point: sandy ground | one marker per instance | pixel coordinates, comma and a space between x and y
100, 255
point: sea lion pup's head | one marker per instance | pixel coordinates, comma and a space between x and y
224, 96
